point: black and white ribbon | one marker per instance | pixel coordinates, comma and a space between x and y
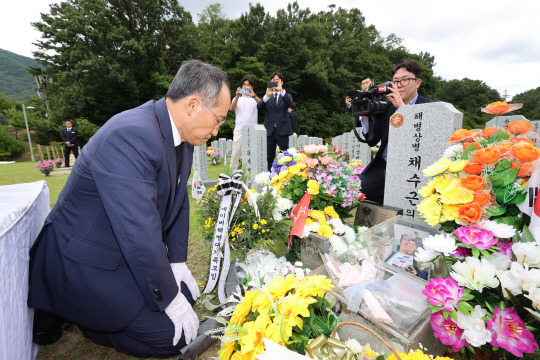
227, 187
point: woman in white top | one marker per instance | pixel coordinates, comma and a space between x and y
245, 105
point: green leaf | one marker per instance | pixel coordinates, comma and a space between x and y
518, 199
486, 253
526, 235
470, 348
502, 196
496, 210
453, 315
468, 297
498, 135
503, 165
470, 150
445, 314
504, 178
475, 252
436, 309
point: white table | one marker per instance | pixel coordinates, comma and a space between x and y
23, 209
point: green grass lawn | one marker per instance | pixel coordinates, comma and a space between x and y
73, 345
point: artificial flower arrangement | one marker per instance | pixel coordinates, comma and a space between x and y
215, 156
287, 311
209, 151
330, 183
488, 292
247, 231
482, 176
45, 167
58, 162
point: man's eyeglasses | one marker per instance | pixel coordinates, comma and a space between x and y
219, 122
403, 82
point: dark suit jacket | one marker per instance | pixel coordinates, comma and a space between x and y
277, 115
120, 220
295, 121
71, 136
378, 129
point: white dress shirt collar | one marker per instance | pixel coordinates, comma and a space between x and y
176, 135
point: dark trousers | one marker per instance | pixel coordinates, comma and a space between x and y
67, 150
271, 142
150, 334
372, 180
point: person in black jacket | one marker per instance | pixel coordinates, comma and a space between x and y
295, 121
71, 142
406, 79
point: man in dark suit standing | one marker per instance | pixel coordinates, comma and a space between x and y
71, 142
275, 103
406, 79
112, 252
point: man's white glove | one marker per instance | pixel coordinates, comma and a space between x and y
182, 274
183, 317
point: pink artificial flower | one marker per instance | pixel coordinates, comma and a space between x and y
322, 149
475, 237
461, 253
510, 333
339, 152
335, 147
310, 149
505, 247
443, 292
447, 331
312, 162
325, 160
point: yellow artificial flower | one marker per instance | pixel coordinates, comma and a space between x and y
416, 355
430, 209
233, 239
449, 213
330, 211
313, 187
263, 222
325, 230
457, 166
301, 165
243, 223
442, 358
428, 189
369, 353
243, 309
299, 157
456, 195
284, 159
238, 356
294, 170
292, 308
258, 330
226, 351
314, 286
255, 226
304, 175
309, 221
282, 174
233, 234
393, 357
438, 167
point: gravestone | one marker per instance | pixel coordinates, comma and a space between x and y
302, 141
360, 151
417, 138
222, 143
292, 140
254, 153
199, 161
503, 121
215, 145
229, 147
347, 142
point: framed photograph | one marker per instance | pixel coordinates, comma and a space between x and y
400, 260
407, 240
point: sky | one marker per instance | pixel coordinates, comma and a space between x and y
495, 41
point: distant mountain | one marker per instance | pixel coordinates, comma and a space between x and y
15, 82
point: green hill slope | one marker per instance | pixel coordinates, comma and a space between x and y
15, 82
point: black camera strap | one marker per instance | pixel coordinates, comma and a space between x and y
366, 137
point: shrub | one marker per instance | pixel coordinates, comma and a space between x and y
9, 146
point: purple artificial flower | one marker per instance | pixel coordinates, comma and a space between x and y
510, 333
505, 247
280, 156
475, 237
291, 163
447, 331
283, 168
461, 253
443, 292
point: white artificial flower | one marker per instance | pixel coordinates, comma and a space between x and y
277, 215
423, 255
282, 205
339, 246
350, 235
305, 233
292, 151
453, 150
502, 231
475, 274
534, 296
298, 263
509, 282
440, 243
338, 227
501, 261
299, 274
474, 328
530, 279
527, 253
354, 346
314, 226
263, 178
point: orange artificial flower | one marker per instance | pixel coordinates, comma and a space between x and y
488, 132
481, 197
473, 168
473, 182
519, 127
470, 212
462, 135
488, 155
525, 168
466, 146
525, 140
525, 152
498, 108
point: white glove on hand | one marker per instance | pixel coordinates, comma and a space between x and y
183, 317
182, 274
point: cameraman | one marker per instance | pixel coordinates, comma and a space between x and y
366, 82
406, 79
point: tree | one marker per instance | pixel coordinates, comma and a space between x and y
106, 56
531, 103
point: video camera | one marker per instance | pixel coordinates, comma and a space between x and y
370, 102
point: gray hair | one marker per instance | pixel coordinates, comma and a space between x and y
197, 78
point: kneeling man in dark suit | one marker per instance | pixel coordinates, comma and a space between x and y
112, 252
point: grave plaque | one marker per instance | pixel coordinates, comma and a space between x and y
215, 145
503, 121
371, 214
222, 143
199, 161
417, 138
229, 147
360, 151
302, 141
311, 248
254, 152
292, 140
